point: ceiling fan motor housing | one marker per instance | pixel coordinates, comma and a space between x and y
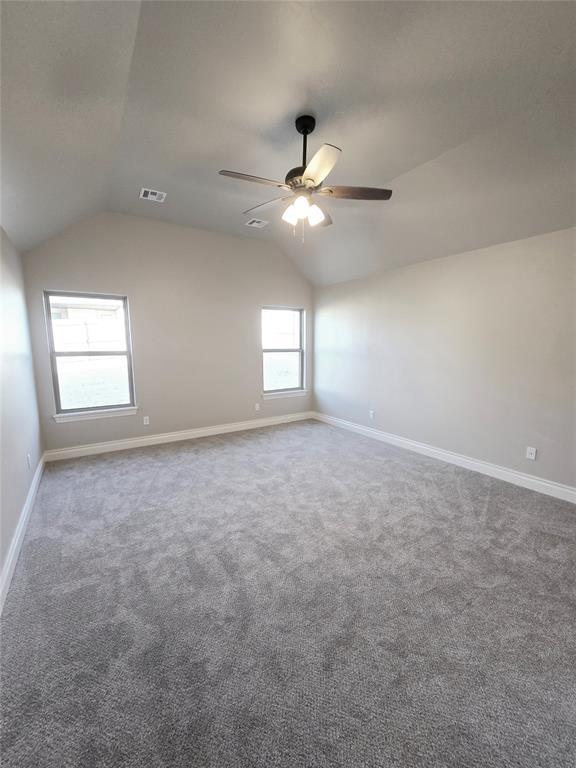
294, 176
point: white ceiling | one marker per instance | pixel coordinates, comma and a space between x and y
464, 109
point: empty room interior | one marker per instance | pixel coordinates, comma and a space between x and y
288, 384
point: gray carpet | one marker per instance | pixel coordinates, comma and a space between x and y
284, 598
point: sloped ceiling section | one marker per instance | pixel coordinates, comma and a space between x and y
65, 70
466, 110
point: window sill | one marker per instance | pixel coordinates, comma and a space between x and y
286, 393
106, 413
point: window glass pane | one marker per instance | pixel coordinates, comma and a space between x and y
92, 382
83, 324
281, 370
280, 329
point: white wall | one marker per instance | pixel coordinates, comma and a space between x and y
195, 300
20, 429
473, 353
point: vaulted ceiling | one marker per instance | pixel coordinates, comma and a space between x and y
464, 109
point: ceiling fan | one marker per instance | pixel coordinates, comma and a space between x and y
304, 182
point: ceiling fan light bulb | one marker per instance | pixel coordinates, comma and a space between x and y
290, 216
315, 215
301, 206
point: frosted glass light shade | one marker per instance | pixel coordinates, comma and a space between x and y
301, 206
290, 216
315, 215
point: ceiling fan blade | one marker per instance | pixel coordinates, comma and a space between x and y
256, 179
267, 204
322, 163
356, 193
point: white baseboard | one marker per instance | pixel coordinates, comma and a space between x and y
18, 536
75, 451
539, 484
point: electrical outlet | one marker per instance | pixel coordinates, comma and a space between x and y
256, 406
146, 420
29, 461
531, 453
371, 414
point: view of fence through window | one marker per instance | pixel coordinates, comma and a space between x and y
89, 349
282, 349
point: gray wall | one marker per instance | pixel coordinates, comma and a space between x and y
473, 353
195, 300
20, 429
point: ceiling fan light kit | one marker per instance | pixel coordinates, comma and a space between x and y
306, 180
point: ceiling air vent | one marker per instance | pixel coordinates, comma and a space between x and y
256, 223
152, 194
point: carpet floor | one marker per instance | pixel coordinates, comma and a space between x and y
291, 597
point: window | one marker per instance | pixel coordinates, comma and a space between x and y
282, 349
89, 340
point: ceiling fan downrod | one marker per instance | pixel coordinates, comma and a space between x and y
305, 124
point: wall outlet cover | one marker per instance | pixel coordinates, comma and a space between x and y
146, 420
531, 453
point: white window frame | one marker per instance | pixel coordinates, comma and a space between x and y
102, 410
301, 349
